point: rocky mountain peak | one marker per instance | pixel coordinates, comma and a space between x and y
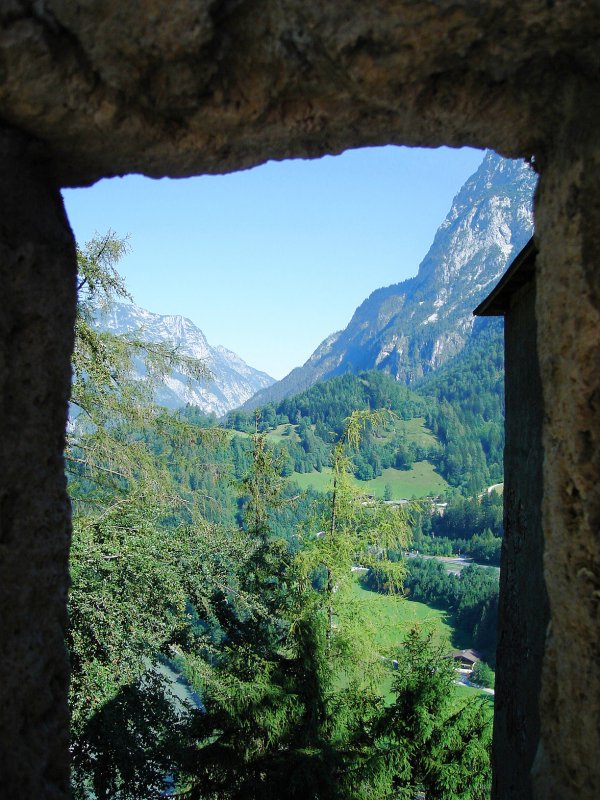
490, 220
233, 381
413, 327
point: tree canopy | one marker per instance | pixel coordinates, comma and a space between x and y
193, 556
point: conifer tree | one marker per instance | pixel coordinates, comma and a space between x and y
289, 673
430, 745
134, 574
290, 695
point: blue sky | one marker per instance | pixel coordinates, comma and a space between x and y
269, 261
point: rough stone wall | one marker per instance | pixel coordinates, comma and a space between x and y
37, 304
193, 86
523, 607
188, 86
568, 310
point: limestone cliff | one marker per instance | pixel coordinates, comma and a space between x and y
413, 327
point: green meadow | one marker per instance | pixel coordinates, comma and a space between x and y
277, 435
413, 430
420, 481
392, 617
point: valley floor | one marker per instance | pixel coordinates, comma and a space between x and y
393, 617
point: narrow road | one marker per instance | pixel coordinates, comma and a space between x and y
453, 564
462, 679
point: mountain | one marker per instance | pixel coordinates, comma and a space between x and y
234, 381
412, 328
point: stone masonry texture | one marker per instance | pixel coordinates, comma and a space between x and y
37, 292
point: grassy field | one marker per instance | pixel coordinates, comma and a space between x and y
319, 481
420, 481
413, 430
393, 617
276, 436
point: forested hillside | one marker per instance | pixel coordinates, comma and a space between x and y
465, 409
453, 419
217, 648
